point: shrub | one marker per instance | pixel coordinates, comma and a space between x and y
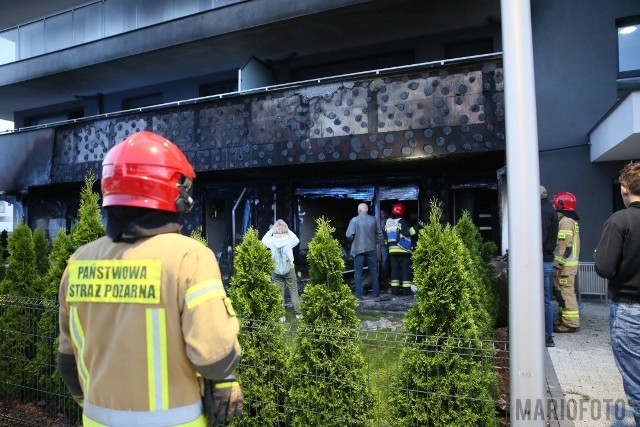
89, 225
17, 343
259, 305
87, 228
41, 246
330, 387
4, 236
484, 297
21, 277
446, 372
46, 348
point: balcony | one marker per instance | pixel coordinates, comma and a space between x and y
617, 135
93, 22
425, 111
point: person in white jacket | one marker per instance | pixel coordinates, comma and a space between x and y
281, 241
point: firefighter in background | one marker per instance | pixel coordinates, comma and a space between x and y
148, 336
565, 264
397, 236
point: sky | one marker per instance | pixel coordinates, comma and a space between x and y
5, 125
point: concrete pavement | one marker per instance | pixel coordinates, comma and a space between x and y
582, 377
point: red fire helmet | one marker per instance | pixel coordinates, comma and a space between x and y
397, 209
564, 201
148, 171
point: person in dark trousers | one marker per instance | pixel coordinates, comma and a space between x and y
397, 235
565, 263
549, 239
384, 254
280, 237
148, 336
617, 259
365, 234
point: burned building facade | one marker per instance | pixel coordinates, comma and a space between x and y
414, 135
298, 109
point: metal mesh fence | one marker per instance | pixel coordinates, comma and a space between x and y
32, 393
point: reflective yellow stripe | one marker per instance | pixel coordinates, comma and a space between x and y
563, 281
201, 421
77, 337
227, 384
204, 291
571, 314
157, 369
564, 233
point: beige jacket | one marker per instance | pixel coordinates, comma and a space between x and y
140, 319
568, 247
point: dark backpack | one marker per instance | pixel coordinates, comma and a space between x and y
283, 265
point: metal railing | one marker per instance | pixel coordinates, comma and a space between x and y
94, 21
32, 394
589, 283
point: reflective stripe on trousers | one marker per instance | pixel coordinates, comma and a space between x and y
117, 418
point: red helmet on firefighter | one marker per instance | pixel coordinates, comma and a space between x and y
397, 209
148, 171
564, 201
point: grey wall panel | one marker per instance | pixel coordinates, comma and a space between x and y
26, 159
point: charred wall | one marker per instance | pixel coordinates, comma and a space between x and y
421, 125
422, 114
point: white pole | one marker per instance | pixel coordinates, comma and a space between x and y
526, 312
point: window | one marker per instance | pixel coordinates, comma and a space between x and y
56, 32
8, 46
465, 48
225, 86
628, 47
142, 101
31, 40
87, 23
53, 117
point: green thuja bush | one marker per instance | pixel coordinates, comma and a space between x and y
4, 236
21, 277
89, 225
259, 305
41, 246
87, 228
446, 375
46, 347
330, 386
485, 299
17, 343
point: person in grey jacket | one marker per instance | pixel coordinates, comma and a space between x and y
616, 259
365, 234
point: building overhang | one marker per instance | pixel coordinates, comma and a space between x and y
617, 135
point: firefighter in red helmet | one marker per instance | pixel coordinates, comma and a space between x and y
148, 336
565, 264
397, 236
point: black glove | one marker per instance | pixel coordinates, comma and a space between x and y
222, 400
